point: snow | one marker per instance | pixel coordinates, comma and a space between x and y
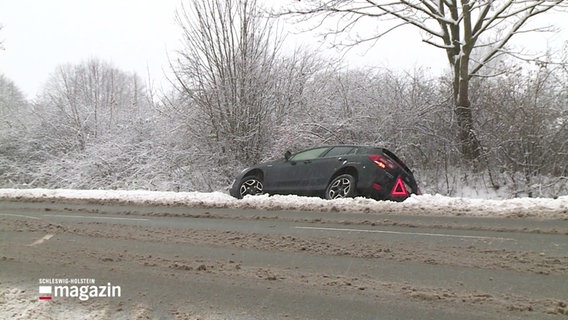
431, 205
22, 303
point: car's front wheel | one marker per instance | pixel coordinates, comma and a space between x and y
342, 186
250, 185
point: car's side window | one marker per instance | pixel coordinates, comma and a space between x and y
339, 151
309, 154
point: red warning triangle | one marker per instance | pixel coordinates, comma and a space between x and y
399, 189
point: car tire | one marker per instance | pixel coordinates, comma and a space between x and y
342, 186
250, 185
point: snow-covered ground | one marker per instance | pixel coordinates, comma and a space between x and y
439, 205
22, 303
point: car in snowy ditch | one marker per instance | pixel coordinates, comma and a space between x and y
330, 172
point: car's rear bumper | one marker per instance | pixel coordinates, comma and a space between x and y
383, 186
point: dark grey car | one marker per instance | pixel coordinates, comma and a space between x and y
331, 172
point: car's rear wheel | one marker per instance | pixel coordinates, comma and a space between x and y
342, 186
250, 185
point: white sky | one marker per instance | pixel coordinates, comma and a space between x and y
137, 35
38, 35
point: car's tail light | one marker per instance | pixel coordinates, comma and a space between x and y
381, 161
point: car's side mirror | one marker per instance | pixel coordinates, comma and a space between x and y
287, 155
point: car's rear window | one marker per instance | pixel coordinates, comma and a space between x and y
338, 151
369, 150
309, 154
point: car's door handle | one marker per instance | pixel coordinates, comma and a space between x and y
341, 159
307, 161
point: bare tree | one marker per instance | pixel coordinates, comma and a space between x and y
86, 101
226, 72
472, 33
524, 118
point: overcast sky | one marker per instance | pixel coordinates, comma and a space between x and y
39, 35
137, 36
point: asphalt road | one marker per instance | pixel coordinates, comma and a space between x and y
189, 263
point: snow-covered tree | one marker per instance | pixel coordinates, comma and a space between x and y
521, 115
472, 34
230, 77
15, 119
86, 101
14, 108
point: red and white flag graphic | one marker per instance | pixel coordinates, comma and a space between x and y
45, 292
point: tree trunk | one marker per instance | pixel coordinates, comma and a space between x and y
469, 144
